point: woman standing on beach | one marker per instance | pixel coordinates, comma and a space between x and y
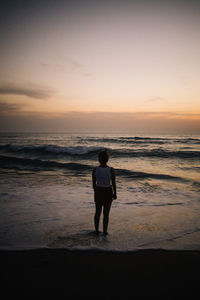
103, 178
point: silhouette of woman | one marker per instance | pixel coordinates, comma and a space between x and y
104, 185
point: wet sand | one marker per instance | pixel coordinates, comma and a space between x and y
101, 273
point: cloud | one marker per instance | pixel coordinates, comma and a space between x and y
73, 63
155, 99
31, 91
9, 107
68, 65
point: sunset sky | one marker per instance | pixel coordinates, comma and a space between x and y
100, 65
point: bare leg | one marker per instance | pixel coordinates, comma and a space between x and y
106, 211
97, 217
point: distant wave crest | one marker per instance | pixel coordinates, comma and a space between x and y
143, 140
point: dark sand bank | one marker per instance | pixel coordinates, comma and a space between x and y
89, 272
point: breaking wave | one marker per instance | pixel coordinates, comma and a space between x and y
91, 152
50, 150
39, 165
17, 163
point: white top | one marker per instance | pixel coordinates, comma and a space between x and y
103, 176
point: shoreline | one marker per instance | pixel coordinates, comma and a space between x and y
82, 271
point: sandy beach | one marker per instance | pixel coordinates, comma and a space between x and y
93, 272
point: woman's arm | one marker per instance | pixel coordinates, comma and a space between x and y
113, 183
94, 178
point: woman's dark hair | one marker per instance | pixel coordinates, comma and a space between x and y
103, 156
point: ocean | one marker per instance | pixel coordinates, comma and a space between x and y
46, 196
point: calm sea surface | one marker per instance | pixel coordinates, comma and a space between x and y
46, 196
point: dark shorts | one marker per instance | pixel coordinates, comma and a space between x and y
103, 196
